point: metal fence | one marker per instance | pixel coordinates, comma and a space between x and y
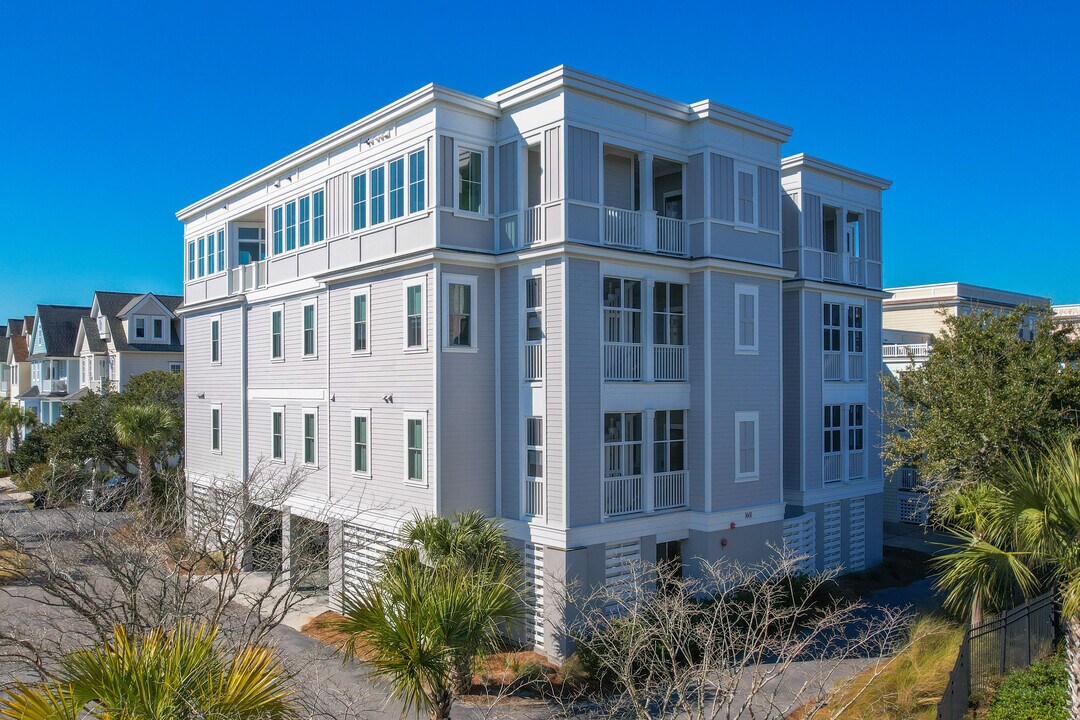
1010, 641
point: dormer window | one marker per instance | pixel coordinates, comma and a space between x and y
159, 328
101, 325
140, 328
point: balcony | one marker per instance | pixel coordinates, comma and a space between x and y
833, 469
623, 495
57, 385
670, 490
669, 363
840, 367
622, 361
626, 495
644, 230
245, 278
841, 267
905, 351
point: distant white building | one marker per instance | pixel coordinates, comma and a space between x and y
911, 318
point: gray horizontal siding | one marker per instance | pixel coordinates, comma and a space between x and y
583, 391
216, 384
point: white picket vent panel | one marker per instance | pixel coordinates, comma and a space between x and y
800, 540
831, 557
220, 527
362, 551
619, 559
534, 577
857, 535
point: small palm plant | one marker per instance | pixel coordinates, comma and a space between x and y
442, 600
176, 675
146, 429
1028, 540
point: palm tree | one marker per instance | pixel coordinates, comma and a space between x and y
13, 419
439, 602
180, 674
1029, 542
146, 429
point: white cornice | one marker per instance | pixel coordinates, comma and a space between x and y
802, 161
836, 288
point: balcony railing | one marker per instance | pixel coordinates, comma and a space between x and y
856, 366
532, 228
534, 361
244, 278
622, 361
534, 497
623, 495
670, 236
57, 385
905, 350
669, 363
856, 267
833, 367
670, 490
831, 266
833, 468
856, 464
622, 228
842, 267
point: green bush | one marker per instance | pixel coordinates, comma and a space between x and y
1039, 693
32, 450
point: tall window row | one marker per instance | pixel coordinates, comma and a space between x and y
627, 356
379, 193
843, 341
300, 221
206, 254
843, 442
636, 481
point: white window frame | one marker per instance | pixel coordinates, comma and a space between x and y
420, 281
295, 202
526, 311
314, 354
459, 147
365, 292
410, 182
276, 309
422, 417
366, 415
215, 322
471, 282
741, 167
215, 408
750, 291
740, 418
667, 313
276, 411
154, 320
542, 477
314, 462
176, 366
136, 321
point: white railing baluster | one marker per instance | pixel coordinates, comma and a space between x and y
534, 361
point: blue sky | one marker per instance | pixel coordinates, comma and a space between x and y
114, 115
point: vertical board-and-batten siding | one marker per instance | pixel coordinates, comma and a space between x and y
583, 431
448, 162
812, 221
508, 177
583, 164
723, 188
873, 235
695, 187
769, 198
552, 164
338, 207
510, 319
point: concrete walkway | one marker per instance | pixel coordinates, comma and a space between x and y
916, 537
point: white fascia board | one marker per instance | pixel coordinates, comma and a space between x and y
802, 161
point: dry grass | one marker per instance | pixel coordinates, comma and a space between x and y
13, 564
910, 687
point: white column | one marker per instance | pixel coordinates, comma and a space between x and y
647, 369
648, 212
648, 422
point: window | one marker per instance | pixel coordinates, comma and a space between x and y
215, 428
414, 316
831, 321
832, 429
221, 249
290, 225
397, 188
309, 437
310, 348
175, 367
622, 310
460, 293
215, 341
278, 231
360, 321
277, 334
140, 328
318, 217
191, 260
277, 434
417, 171
746, 320
855, 427
534, 304
746, 445
470, 180
855, 328
202, 256
622, 444
669, 314
414, 448
159, 328
745, 194
359, 201
534, 467
305, 221
361, 423
378, 193
669, 441
211, 253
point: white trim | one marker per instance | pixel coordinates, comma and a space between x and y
449, 279
422, 416
215, 407
286, 393
314, 305
751, 291
314, 412
280, 308
406, 283
366, 414
365, 291
215, 320
459, 146
274, 411
308, 192
741, 417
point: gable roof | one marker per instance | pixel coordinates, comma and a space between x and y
88, 332
15, 326
5, 343
116, 305
60, 328
19, 349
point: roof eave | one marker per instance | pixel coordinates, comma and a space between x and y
802, 161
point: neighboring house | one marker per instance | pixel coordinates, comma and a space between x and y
590, 311
15, 357
911, 317
54, 367
1068, 316
126, 334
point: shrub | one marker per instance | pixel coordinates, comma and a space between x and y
62, 484
32, 450
1040, 692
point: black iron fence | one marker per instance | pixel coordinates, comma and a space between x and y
1010, 641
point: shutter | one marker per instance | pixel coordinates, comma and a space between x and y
811, 221
769, 198
831, 555
723, 188
857, 537
534, 579
508, 175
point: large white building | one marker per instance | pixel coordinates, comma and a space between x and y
622, 324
